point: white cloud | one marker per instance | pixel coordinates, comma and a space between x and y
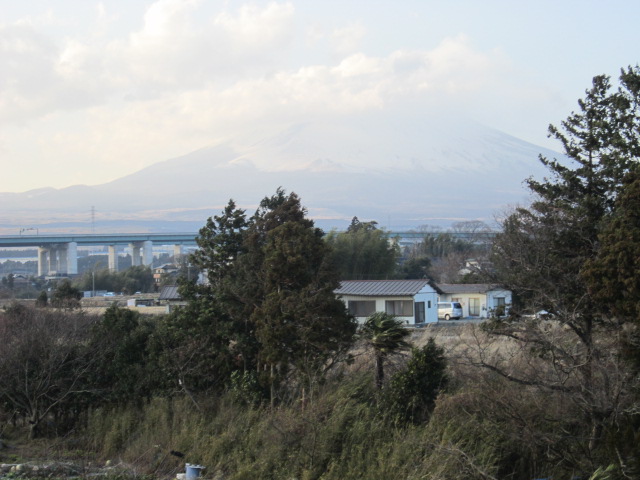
27, 72
359, 65
178, 49
226, 59
166, 18
174, 50
187, 79
348, 40
258, 28
138, 133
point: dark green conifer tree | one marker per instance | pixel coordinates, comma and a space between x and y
544, 250
66, 295
412, 391
287, 281
119, 342
269, 306
198, 346
363, 252
544, 247
612, 276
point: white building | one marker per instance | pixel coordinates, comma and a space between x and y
412, 301
478, 300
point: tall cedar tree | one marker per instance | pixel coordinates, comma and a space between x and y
220, 243
199, 346
288, 281
270, 291
559, 232
612, 276
544, 249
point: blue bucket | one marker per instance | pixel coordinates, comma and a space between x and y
193, 471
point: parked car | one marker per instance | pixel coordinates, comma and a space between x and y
449, 310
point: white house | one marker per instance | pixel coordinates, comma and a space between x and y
479, 300
412, 301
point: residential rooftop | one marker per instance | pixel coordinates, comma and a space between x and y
399, 288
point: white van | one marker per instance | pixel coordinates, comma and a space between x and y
449, 310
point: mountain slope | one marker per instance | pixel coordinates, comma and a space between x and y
400, 174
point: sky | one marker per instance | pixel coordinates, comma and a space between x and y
91, 91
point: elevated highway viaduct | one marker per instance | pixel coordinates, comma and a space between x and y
57, 254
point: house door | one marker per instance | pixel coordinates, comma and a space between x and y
474, 307
420, 315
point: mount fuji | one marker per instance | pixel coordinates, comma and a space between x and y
401, 173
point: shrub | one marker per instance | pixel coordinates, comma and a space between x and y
412, 392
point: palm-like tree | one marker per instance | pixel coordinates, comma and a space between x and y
385, 335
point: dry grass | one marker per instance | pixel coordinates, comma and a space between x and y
99, 310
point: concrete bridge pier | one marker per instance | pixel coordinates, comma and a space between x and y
60, 259
135, 254
113, 258
52, 260
141, 253
71, 254
43, 261
147, 253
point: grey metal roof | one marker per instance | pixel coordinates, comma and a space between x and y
382, 287
467, 287
169, 292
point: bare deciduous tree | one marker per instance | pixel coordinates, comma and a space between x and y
44, 361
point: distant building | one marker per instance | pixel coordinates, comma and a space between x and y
140, 302
479, 300
416, 301
164, 272
412, 301
170, 297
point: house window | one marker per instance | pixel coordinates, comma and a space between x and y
474, 307
399, 308
499, 306
362, 308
